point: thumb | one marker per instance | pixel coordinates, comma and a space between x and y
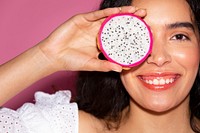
103, 65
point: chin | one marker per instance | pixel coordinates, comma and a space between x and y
158, 107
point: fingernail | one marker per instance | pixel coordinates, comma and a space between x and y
120, 9
141, 10
136, 8
117, 69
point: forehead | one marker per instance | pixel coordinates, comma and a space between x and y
165, 11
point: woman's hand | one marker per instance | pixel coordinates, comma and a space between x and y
73, 45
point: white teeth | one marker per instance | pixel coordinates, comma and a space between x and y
162, 82
155, 82
167, 81
159, 81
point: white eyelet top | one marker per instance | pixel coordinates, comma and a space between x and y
50, 114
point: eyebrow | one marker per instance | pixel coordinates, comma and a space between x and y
181, 25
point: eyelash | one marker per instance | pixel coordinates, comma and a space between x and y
180, 37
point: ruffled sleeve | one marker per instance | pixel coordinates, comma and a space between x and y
50, 114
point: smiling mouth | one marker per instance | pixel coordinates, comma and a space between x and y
159, 81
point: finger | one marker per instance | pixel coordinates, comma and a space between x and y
103, 65
130, 9
141, 12
127, 9
96, 15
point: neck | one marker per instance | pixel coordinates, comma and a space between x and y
140, 120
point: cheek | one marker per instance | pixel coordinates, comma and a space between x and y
127, 80
130, 83
188, 58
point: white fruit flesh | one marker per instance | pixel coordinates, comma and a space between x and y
125, 39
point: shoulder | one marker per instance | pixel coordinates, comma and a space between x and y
90, 124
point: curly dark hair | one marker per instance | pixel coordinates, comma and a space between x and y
103, 95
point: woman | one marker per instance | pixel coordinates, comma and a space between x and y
121, 99
160, 95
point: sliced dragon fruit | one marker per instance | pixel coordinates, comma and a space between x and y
125, 39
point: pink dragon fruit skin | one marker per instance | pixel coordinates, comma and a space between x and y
125, 39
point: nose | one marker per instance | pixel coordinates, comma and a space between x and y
160, 55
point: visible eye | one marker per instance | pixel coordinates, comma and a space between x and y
180, 37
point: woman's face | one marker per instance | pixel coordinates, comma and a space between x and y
164, 80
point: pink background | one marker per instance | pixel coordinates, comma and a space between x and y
24, 23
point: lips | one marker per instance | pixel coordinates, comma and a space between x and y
158, 82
